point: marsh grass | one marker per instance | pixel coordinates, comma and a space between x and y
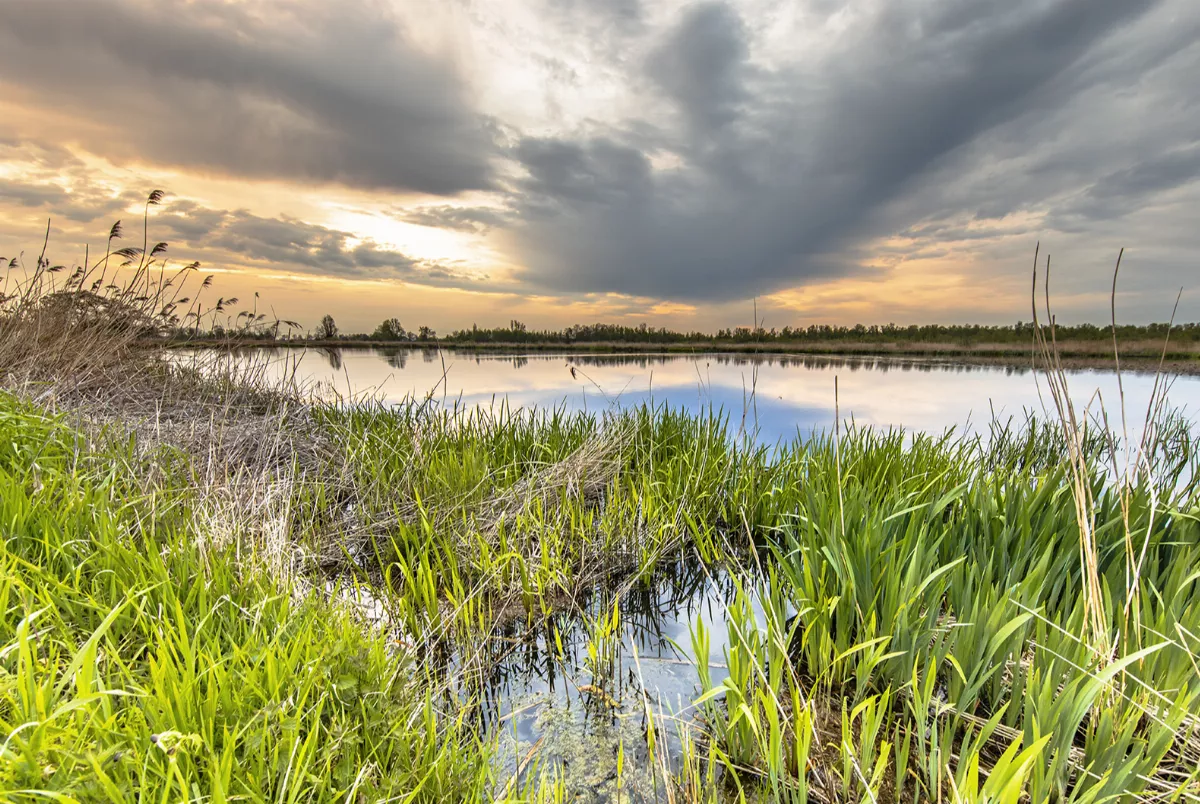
135, 667
80, 326
1001, 621
952, 601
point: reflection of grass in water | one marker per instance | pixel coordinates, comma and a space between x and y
599, 709
581, 753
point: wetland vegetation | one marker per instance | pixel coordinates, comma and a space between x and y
220, 587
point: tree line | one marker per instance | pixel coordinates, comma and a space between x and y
391, 330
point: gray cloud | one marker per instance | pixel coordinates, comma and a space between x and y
599, 172
702, 65
188, 222
737, 166
310, 248
785, 174
1116, 192
621, 12
78, 205
463, 219
84, 214
31, 195
308, 91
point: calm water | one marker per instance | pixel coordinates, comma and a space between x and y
538, 701
773, 396
535, 696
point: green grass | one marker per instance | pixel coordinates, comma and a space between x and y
939, 607
135, 669
935, 585
938, 618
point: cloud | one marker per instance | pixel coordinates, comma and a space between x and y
463, 219
702, 65
623, 13
1115, 193
50, 178
784, 173
31, 195
218, 238
694, 151
303, 91
288, 243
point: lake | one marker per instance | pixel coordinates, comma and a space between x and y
771, 396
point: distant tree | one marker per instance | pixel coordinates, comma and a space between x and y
390, 330
328, 329
426, 334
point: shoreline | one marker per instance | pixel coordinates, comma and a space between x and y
1088, 355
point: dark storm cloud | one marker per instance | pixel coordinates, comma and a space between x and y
308, 91
597, 173
784, 174
702, 65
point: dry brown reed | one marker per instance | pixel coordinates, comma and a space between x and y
90, 342
1126, 470
1073, 424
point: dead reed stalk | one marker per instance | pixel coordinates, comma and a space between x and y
1137, 465
1074, 431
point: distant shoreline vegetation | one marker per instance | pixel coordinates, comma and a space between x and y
517, 333
1082, 346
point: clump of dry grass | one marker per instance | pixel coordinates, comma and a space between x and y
582, 476
90, 342
101, 323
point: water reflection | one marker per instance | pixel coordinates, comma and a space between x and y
807, 361
773, 396
333, 355
539, 685
396, 358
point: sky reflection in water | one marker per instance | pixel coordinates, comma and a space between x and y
774, 396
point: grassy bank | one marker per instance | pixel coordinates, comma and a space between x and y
143, 662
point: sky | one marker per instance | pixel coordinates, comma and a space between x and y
678, 163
